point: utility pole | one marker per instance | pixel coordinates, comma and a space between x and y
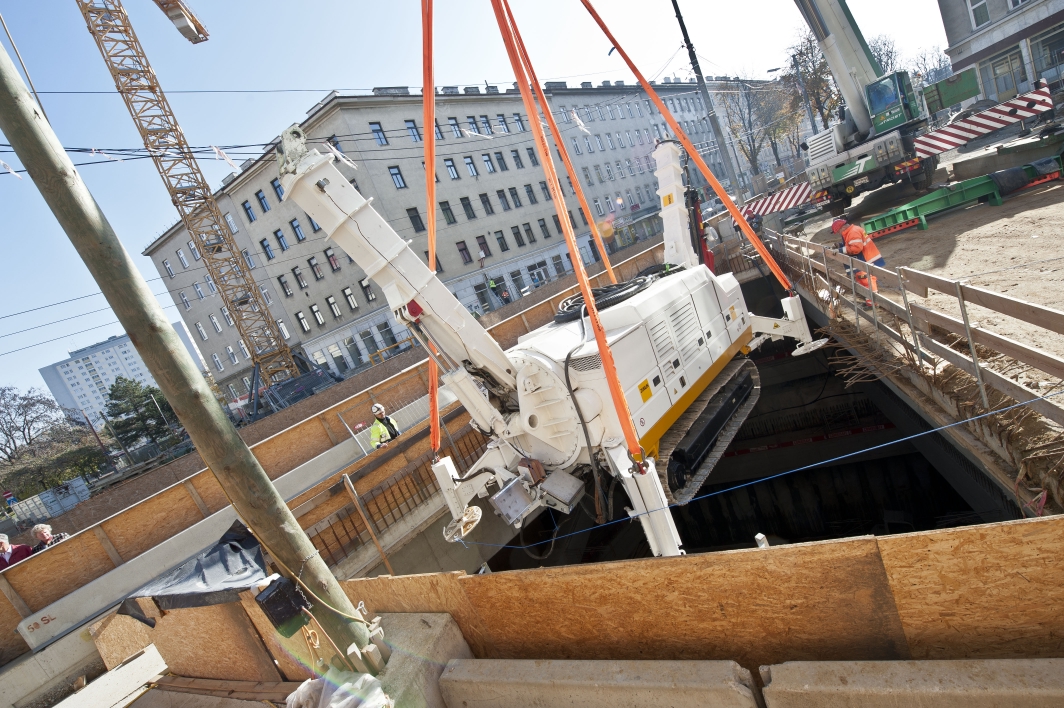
251, 492
714, 124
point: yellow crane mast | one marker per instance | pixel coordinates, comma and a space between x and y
189, 191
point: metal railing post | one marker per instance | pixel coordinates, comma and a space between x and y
365, 519
971, 346
909, 315
853, 286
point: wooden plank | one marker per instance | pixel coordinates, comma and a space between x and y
995, 380
118, 637
112, 552
919, 282
1029, 312
810, 601
238, 690
991, 591
194, 493
11, 642
1028, 355
14, 598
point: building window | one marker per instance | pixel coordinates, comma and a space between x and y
225, 314
248, 258
217, 362
232, 391
513, 197
448, 213
215, 323
529, 233
518, 238
452, 171
415, 219
531, 193
620, 170
232, 357
243, 349
463, 251
397, 177
639, 164
557, 223
598, 207
367, 290
472, 121
503, 127
532, 157
202, 331
199, 290
486, 203
248, 211
193, 250
282, 242
502, 163
631, 199
263, 204
489, 166
519, 122
609, 139
631, 170
297, 230
302, 320
378, 133
277, 189
516, 156
285, 287
501, 194
609, 172
318, 317
583, 219
576, 146
485, 251
284, 333
471, 166
232, 227
546, 190
168, 268
979, 12
455, 128
350, 297
501, 238
210, 284
298, 275
439, 267
415, 134
181, 257
587, 177
467, 206
334, 262
543, 228
485, 124
314, 225
184, 301
315, 268
609, 204
572, 221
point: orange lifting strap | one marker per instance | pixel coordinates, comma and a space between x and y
693, 154
507, 27
429, 127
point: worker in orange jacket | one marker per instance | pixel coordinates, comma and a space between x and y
858, 244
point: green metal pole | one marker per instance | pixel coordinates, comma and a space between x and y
251, 492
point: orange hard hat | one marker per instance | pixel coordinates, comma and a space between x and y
837, 224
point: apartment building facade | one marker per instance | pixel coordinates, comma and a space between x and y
82, 381
498, 232
1012, 43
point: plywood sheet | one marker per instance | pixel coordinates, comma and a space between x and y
216, 642
430, 592
45, 577
993, 591
210, 491
291, 655
292, 447
151, 522
118, 637
816, 601
11, 643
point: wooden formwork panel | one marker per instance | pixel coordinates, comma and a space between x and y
980, 592
291, 655
11, 642
118, 637
151, 522
816, 601
210, 491
289, 449
44, 578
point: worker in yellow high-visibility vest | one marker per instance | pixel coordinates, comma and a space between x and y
383, 429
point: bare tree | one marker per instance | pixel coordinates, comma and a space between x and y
25, 421
812, 72
741, 107
930, 65
885, 52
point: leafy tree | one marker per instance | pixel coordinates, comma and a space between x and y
133, 415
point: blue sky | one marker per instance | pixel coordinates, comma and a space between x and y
315, 46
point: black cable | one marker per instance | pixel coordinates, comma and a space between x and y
583, 425
606, 296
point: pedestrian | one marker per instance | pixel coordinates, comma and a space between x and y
43, 533
857, 243
12, 553
383, 429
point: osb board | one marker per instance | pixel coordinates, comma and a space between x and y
817, 601
118, 637
45, 577
291, 448
152, 521
993, 591
291, 655
210, 491
216, 642
430, 592
11, 643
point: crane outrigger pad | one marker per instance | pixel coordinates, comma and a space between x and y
695, 443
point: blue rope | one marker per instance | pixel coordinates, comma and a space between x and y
775, 476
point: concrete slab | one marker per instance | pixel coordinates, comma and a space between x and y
483, 683
422, 644
31, 676
121, 685
1032, 683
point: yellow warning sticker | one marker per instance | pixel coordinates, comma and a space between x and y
644, 390
667, 200
775, 325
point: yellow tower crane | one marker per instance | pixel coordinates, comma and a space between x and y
165, 141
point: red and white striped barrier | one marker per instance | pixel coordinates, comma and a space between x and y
780, 201
1013, 111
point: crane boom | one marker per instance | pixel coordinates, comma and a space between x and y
139, 87
184, 19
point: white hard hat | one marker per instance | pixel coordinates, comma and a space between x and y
377, 408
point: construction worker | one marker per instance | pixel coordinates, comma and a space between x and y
383, 429
856, 243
